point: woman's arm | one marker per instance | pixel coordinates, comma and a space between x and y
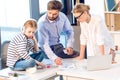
82, 52
101, 47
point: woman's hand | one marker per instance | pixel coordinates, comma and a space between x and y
112, 52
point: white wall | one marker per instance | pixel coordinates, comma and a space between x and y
96, 7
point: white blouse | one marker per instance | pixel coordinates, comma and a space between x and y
93, 34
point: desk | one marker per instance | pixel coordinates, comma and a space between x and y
41, 74
73, 73
45, 74
82, 74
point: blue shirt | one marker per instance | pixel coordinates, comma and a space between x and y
49, 33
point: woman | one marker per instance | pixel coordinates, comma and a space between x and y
94, 33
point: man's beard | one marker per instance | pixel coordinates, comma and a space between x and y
52, 18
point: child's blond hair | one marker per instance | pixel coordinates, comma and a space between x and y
30, 23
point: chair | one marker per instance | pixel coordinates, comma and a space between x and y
4, 48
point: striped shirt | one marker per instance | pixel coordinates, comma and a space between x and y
19, 48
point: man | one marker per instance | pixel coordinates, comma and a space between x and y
50, 25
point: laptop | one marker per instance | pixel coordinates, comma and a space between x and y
99, 62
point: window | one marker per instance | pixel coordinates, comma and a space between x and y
14, 12
12, 16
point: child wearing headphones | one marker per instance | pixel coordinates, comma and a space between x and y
18, 57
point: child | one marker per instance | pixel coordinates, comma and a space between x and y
18, 57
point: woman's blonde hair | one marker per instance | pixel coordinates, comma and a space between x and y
80, 7
30, 23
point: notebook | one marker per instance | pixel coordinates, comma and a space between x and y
99, 62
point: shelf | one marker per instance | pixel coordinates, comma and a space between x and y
112, 19
112, 12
